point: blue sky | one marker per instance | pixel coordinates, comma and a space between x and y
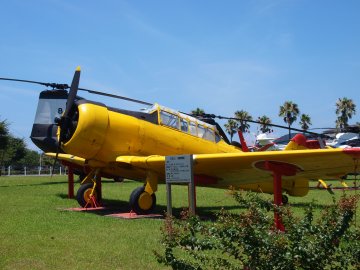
221, 56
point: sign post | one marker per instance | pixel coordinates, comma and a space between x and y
179, 170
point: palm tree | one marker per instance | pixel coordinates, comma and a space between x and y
242, 117
305, 121
264, 124
231, 127
289, 111
345, 109
197, 112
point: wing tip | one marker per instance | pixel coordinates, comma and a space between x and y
354, 152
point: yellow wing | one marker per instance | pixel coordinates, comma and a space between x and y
314, 164
241, 170
69, 158
245, 169
77, 160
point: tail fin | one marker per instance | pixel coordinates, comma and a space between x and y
297, 143
242, 141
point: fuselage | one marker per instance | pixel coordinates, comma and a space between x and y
100, 134
104, 133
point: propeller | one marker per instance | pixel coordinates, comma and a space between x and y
64, 122
66, 86
212, 116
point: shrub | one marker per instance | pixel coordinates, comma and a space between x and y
248, 240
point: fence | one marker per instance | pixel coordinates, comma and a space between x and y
32, 170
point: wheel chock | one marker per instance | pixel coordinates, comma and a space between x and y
92, 203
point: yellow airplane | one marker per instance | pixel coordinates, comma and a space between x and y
120, 143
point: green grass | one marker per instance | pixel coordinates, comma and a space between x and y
37, 233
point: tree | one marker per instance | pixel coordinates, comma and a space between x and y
305, 121
264, 124
12, 150
242, 118
15, 151
4, 134
197, 112
30, 159
345, 109
4, 140
46, 160
289, 111
231, 127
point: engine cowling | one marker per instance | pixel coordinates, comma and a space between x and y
90, 131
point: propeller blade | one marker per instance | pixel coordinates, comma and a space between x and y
53, 85
73, 91
65, 120
206, 115
115, 96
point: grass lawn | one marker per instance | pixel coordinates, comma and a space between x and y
37, 233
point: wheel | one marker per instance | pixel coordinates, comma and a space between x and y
83, 194
118, 179
285, 199
142, 202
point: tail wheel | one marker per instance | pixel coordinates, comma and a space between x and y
142, 202
285, 199
119, 179
83, 194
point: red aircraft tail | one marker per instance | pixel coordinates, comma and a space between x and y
244, 146
299, 142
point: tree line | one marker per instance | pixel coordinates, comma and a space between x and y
15, 153
290, 113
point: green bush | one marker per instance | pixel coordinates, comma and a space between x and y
248, 240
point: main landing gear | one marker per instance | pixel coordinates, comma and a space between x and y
142, 202
88, 193
143, 199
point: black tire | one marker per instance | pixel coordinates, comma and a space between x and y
285, 199
136, 205
119, 179
82, 195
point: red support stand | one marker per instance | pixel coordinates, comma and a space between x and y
278, 201
70, 182
99, 187
278, 170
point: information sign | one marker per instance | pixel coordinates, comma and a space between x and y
178, 169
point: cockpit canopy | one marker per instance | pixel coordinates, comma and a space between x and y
185, 123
